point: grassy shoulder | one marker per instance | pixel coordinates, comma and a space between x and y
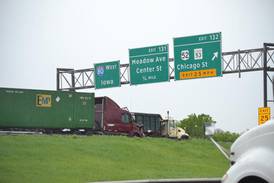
226, 145
43, 158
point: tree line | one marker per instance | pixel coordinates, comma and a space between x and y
194, 125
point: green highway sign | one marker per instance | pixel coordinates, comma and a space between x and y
149, 64
198, 56
107, 74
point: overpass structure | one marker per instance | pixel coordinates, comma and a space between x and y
234, 62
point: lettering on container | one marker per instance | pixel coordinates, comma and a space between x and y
43, 100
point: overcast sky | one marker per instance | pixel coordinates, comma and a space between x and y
38, 36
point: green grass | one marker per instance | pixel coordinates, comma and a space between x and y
226, 145
42, 158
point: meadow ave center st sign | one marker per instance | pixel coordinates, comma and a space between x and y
149, 64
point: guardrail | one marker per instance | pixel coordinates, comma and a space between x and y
18, 132
200, 180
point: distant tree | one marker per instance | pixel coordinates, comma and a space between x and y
194, 124
225, 136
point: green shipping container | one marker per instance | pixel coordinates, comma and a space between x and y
24, 108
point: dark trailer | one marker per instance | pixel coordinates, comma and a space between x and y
151, 122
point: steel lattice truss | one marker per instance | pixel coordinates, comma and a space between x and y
246, 60
233, 62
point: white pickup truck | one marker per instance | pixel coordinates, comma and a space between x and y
252, 156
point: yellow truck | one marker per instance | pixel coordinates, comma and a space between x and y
170, 130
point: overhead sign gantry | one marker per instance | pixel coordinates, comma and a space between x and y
207, 51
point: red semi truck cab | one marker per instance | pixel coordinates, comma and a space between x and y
111, 118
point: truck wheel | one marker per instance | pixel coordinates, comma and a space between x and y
134, 135
184, 137
131, 134
253, 179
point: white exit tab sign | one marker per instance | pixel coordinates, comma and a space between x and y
263, 115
